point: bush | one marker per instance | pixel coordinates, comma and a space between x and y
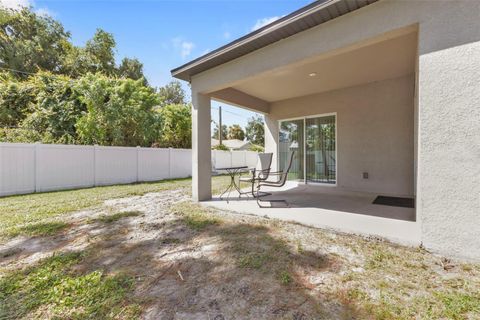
220, 147
256, 148
176, 126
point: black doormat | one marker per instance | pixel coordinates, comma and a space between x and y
395, 201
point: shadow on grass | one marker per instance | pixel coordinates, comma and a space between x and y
43, 229
196, 264
110, 218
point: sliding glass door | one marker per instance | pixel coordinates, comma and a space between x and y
320, 160
291, 139
314, 141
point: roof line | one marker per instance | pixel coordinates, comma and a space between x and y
298, 14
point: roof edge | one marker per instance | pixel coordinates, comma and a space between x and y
265, 30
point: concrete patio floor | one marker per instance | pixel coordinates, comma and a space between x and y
329, 207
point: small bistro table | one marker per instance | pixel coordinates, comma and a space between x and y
232, 172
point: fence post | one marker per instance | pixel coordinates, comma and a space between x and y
214, 160
138, 162
95, 165
169, 163
35, 165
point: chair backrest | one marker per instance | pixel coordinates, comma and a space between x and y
286, 170
264, 162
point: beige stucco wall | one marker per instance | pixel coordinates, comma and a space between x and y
447, 104
374, 133
449, 131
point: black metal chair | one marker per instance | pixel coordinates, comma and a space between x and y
260, 172
282, 179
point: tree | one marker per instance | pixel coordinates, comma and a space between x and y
101, 49
120, 112
215, 132
30, 42
131, 68
255, 130
236, 132
172, 93
16, 98
55, 110
176, 129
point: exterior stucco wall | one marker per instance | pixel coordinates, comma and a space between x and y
374, 133
449, 131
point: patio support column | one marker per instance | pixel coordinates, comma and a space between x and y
271, 139
201, 147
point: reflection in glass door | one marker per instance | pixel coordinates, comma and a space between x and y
314, 142
320, 160
291, 139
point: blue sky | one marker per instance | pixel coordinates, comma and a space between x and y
166, 34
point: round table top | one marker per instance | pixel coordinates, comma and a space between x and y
232, 168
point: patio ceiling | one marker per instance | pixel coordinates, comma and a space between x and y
376, 61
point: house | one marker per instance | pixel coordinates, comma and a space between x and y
376, 98
232, 144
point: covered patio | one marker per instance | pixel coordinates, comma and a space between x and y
348, 117
359, 93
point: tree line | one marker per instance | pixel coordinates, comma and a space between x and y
254, 131
53, 91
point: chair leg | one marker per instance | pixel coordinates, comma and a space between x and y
240, 193
258, 196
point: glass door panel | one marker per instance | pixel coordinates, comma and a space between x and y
320, 161
291, 138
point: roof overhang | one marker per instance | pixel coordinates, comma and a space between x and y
305, 18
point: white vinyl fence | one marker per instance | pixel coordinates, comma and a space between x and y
27, 168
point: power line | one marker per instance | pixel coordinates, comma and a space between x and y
36, 130
27, 73
236, 114
51, 76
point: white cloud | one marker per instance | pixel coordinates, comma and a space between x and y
15, 4
185, 47
44, 12
227, 35
263, 22
18, 4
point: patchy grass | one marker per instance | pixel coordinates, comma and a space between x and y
379, 258
110, 218
52, 289
42, 229
285, 277
19, 211
396, 282
195, 216
252, 260
191, 263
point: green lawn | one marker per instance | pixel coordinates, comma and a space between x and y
24, 214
